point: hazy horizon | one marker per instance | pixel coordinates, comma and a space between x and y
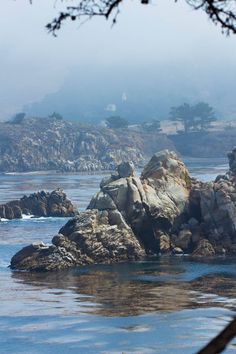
165, 55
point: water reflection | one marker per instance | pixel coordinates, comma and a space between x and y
137, 289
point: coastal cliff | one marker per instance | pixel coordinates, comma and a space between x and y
164, 211
50, 144
44, 144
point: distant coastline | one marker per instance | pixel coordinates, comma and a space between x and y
46, 145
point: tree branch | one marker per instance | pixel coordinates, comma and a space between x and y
222, 12
219, 343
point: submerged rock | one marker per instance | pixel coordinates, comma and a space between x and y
163, 211
39, 204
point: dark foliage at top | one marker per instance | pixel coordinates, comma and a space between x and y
222, 12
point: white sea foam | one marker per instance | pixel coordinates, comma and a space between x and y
26, 217
31, 173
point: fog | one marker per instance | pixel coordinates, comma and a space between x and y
154, 57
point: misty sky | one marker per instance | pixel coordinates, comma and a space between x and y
165, 40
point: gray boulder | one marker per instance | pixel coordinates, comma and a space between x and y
39, 204
204, 249
125, 169
88, 238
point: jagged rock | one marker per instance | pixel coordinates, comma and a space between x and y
167, 184
150, 204
102, 201
122, 205
107, 180
116, 218
125, 169
193, 223
88, 238
39, 204
177, 251
218, 210
49, 144
204, 249
184, 240
232, 160
165, 244
163, 211
118, 191
9, 214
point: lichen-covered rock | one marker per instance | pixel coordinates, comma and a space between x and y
39, 204
204, 249
167, 184
215, 203
152, 205
165, 244
125, 169
88, 238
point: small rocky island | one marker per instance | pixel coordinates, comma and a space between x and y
39, 204
164, 211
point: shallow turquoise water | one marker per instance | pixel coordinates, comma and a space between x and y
162, 305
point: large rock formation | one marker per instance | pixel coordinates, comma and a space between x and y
163, 211
91, 237
42, 203
215, 205
154, 204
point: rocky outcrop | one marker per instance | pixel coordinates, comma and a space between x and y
91, 237
163, 211
125, 219
52, 144
39, 204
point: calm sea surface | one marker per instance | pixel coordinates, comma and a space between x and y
163, 305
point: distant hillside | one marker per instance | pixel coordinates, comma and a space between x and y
137, 95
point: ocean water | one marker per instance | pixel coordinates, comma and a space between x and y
161, 305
